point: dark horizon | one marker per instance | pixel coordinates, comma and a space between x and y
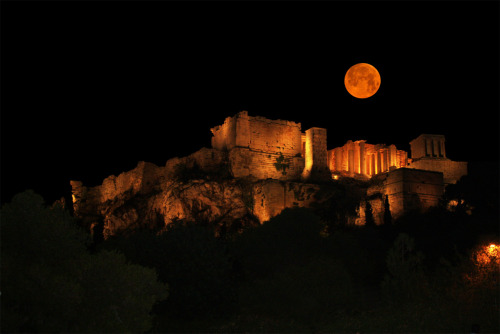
88, 93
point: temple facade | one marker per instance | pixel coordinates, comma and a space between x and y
361, 158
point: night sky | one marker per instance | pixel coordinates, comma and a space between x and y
90, 89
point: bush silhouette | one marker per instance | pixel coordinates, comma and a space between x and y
51, 283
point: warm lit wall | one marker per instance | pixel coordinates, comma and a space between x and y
91, 202
259, 134
428, 152
206, 159
224, 136
410, 189
406, 189
138, 180
274, 136
246, 162
452, 170
316, 164
272, 196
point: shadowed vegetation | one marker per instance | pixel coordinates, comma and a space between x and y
305, 270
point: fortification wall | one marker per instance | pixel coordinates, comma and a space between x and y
259, 134
138, 180
272, 196
274, 136
245, 162
452, 170
410, 189
206, 159
406, 189
224, 136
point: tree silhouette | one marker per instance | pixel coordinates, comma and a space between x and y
369, 220
51, 283
387, 211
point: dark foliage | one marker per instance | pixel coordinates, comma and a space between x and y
51, 283
185, 172
387, 211
281, 164
337, 202
305, 270
195, 264
369, 220
293, 237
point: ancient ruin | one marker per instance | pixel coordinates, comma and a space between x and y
257, 167
428, 153
276, 149
361, 158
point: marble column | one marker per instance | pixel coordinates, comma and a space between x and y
351, 162
443, 151
362, 158
379, 163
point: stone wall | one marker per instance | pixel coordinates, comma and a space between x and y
245, 162
452, 170
139, 180
207, 160
413, 189
258, 134
224, 136
94, 204
406, 190
428, 152
272, 196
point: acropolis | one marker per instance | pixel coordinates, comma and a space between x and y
254, 144
281, 167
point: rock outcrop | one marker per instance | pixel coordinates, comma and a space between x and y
197, 188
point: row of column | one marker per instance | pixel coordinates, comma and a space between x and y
368, 159
434, 148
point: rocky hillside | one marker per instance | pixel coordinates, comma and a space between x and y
199, 187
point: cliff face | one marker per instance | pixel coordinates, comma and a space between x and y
194, 188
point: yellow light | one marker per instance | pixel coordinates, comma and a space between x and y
335, 177
493, 250
74, 198
487, 254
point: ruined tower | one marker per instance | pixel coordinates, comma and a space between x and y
316, 167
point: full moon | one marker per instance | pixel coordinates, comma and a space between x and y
362, 80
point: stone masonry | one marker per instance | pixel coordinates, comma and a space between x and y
428, 153
263, 148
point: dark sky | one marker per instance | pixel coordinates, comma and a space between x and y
90, 89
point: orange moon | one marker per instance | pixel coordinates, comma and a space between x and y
362, 80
